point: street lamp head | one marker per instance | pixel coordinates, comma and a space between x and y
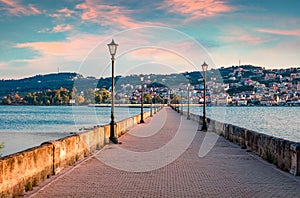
204, 67
112, 47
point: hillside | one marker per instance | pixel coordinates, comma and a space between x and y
236, 76
37, 83
69, 80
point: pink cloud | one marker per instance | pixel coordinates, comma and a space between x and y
14, 7
66, 54
62, 28
57, 28
109, 15
65, 12
77, 46
195, 9
9, 3
241, 36
245, 38
281, 32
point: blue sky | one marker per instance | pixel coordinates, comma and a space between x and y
159, 36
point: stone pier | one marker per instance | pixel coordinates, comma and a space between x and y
224, 169
165, 157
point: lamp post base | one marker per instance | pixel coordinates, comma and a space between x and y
188, 117
112, 137
114, 140
204, 127
142, 121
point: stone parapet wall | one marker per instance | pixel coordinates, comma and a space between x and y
21, 171
284, 154
17, 172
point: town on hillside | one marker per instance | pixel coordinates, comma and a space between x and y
244, 85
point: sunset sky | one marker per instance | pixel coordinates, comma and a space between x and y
158, 36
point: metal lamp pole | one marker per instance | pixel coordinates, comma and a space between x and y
181, 111
112, 49
154, 101
177, 102
188, 108
142, 101
151, 91
204, 124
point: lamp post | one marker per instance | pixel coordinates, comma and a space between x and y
204, 124
151, 91
169, 97
112, 50
177, 102
154, 101
142, 101
188, 98
181, 96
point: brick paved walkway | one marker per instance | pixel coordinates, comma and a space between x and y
226, 171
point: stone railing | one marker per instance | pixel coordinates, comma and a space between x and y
284, 154
21, 171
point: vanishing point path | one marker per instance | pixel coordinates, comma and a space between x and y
151, 167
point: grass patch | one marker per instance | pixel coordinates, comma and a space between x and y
77, 157
28, 186
269, 156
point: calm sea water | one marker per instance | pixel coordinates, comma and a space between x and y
22, 127
282, 122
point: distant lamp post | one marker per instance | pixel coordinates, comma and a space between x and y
177, 102
154, 97
142, 101
151, 115
181, 96
112, 49
204, 124
188, 99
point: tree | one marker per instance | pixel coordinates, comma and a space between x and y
73, 93
105, 95
29, 99
98, 98
16, 97
147, 98
6, 100
174, 99
47, 102
89, 96
79, 99
158, 99
133, 101
57, 98
234, 90
65, 99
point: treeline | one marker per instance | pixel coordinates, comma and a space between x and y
60, 96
